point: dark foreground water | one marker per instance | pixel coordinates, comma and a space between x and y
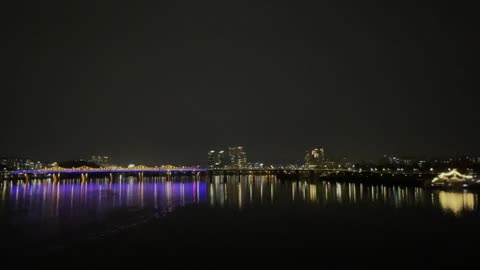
248, 215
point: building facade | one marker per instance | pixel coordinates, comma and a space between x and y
315, 158
237, 157
216, 159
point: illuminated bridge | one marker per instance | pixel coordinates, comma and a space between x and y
84, 171
338, 174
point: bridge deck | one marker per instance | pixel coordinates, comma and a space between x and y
105, 171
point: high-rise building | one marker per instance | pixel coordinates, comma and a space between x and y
242, 160
237, 157
212, 158
220, 159
232, 154
315, 158
216, 159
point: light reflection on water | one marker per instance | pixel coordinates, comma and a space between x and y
42, 201
72, 201
458, 202
246, 191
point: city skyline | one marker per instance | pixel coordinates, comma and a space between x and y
236, 158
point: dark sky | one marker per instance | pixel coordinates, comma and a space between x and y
167, 81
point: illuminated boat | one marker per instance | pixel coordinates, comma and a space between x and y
455, 180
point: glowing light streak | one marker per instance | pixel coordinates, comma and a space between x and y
85, 169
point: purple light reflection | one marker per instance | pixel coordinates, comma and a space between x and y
71, 201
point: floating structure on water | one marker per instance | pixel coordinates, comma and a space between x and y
454, 179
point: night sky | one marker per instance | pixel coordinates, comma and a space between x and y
167, 81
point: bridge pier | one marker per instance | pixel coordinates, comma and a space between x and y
111, 177
84, 177
56, 177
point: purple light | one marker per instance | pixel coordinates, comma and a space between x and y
107, 171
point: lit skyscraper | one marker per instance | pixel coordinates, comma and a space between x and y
216, 159
237, 157
242, 160
212, 158
221, 159
315, 158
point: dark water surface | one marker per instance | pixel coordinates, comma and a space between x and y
128, 217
